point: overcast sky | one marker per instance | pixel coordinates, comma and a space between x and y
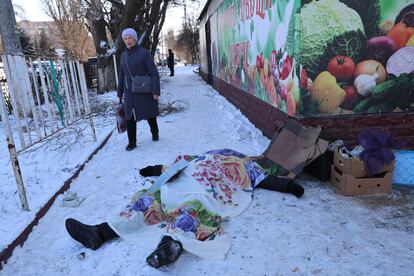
34, 12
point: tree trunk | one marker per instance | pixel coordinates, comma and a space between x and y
142, 15
110, 82
97, 27
158, 26
106, 77
101, 78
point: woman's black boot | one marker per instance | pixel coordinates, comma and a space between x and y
87, 235
91, 236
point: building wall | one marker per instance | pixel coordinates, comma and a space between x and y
213, 5
255, 53
211, 10
34, 29
268, 118
203, 50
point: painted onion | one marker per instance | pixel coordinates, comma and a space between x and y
401, 62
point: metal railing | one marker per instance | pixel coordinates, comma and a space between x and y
42, 96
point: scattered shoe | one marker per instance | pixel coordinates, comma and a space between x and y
130, 147
167, 252
155, 137
151, 171
87, 235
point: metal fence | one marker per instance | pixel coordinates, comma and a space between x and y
40, 97
4, 89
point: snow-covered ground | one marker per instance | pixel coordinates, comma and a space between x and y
47, 165
322, 233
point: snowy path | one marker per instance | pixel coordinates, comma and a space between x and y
46, 166
322, 233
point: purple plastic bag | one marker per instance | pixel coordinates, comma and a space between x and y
378, 149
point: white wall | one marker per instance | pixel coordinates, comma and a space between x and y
214, 4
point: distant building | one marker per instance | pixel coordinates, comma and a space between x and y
34, 28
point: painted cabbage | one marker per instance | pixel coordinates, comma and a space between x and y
322, 21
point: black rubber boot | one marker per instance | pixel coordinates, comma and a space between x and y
154, 128
106, 232
295, 189
130, 147
283, 185
87, 235
167, 252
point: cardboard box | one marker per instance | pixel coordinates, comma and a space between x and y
355, 166
349, 185
294, 146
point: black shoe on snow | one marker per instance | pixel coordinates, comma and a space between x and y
167, 252
155, 137
87, 235
130, 147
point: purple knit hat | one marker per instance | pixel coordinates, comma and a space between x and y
131, 32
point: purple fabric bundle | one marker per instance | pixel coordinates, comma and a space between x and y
377, 153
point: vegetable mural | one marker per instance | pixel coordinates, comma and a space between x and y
318, 57
256, 49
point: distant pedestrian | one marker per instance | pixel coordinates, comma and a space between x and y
171, 62
137, 61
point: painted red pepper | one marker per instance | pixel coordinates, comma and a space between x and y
287, 67
273, 58
303, 79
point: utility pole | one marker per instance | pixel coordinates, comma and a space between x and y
13, 50
11, 40
18, 82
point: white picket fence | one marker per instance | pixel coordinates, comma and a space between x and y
45, 96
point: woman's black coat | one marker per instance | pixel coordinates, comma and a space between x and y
138, 61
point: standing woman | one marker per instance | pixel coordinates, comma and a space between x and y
137, 61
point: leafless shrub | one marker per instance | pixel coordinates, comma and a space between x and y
173, 107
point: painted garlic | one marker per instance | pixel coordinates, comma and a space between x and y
363, 83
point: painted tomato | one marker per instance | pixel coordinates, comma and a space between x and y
342, 68
351, 97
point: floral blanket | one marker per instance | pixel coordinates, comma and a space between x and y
192, 205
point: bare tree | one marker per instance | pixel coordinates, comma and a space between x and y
19, 11
188, 40
106, 20
97, 26
68, 16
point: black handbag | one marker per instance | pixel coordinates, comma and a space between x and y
140, 84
